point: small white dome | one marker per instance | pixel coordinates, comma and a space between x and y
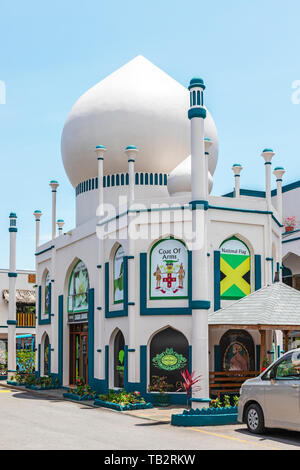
139, 105
179, 180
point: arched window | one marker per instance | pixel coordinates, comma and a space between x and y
78, 293
235, 269
118, 275
168, 270
46, 355
47, 293
287, 276
119, 345
169, 355
237, 351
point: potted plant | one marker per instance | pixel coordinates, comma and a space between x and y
290, 223
188, 384
160, 387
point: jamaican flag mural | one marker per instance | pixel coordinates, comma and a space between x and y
235, 269
119, 275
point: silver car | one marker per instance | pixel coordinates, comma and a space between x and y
272, 400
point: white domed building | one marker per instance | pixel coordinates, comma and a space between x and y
125, 296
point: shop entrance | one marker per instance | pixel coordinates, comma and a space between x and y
78, 352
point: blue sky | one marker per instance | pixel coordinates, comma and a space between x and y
51, 52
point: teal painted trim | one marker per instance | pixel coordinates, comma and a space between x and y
44, 251
91, 335
251, 211
217, 280
206, 417
269, 259
124, 311
196, 82
144, 310
291, 240
257, 271
12, 274
195, 205
49, 358
258, 357
268, 163
197, 113
217, 358
11, 322
131, 350
12, 229
99, 266
99, 308
39, 360
190, 359
200, 304
60, 337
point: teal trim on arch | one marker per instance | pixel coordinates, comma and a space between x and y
217, 280
91, 334
217, 358
257, 271
123, 312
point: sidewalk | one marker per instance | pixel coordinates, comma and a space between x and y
162, 415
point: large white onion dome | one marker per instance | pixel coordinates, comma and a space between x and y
138, 104
179, 180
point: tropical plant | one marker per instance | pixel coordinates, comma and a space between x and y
189, 384
122, 397
25, 360
159, 384
215, 403
227, 403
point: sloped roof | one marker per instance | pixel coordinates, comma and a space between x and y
276, 304
23, 296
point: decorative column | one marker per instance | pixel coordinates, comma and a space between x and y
60, 225
37, 214
99, 341
131, 152
100, 150
267, 155
279, 172
237, 169
11, 322
199, 206
54, 185
207, 145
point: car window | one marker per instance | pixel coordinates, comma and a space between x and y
289, 367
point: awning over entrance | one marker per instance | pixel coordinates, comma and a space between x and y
23, 296
272, 307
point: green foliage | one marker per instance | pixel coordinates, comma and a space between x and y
217, 403
122, 398
227, 401
159, 384
26, 360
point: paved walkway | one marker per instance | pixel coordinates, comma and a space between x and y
162, 415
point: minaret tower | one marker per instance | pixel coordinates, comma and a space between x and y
199, 206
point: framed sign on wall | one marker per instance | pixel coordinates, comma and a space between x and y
168, 275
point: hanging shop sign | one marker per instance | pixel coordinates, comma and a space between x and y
118, 275
169, 270
235, 269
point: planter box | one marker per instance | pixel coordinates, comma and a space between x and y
73, 396
206, 417
117, 407
161, 400
12, 382
39, 387
3, 377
